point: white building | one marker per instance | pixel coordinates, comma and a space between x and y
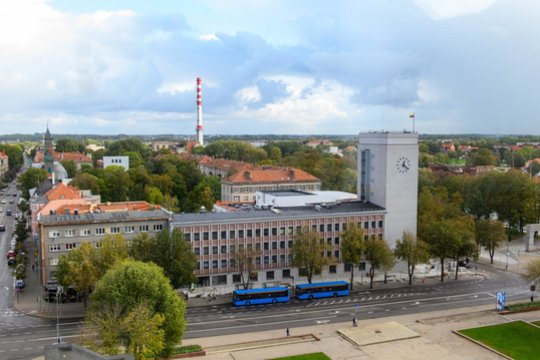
122, 161
388, 177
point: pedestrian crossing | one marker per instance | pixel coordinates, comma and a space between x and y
358, 299
10, 313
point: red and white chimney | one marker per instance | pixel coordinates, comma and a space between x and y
199, 127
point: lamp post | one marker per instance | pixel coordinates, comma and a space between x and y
59, 291
507, 253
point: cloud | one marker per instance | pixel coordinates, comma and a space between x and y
445, 9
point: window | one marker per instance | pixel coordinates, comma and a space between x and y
214, 250
214, 235
205, 250
187, 236
380, 236
286, 273
269, 275
144, 228
274, 231
344, 226
214, 264
236, 278
282, 231
69, 233
265, 246
158, 227
373, 224
205, 235
241, 234
282, 244
115, 230
274, 259
336, 227
232, 249
321, 227
336, 254
258, 246
53, 262
266, 232
266, 259
71, 246
98, 244
54, 234
223, 249
282, 258
274, 245
332, 269
223, 263
328, 227
290, 244
54, 247
290, 230
196, 236
257, 232
347, 267
249, 233
224, 235
366, 225
336, 240
232, 234
380, 223
85, 232
362, 266
129, 229
197, 251
206, 265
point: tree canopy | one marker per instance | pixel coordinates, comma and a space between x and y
352, 246
308, 252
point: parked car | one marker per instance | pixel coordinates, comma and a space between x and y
2, 227
11, 253
8, 212
3, 201
12, 261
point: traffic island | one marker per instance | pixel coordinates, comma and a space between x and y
377, 333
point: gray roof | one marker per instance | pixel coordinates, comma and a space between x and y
250, 215
104, 217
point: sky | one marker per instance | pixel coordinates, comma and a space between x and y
270, 66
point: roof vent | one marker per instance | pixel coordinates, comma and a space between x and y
247, 175
317, 207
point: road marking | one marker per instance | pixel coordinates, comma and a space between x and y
258, 324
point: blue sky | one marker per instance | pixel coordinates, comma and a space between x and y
270, 66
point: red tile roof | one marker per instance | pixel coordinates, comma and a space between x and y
78, 158
270, 174
62, 191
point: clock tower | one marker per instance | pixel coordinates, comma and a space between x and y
388, 177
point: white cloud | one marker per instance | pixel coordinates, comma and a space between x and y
209, 37
444, 9
249, 94
173, 88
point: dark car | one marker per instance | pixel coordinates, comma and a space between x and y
2, 227
20, 284
11, 261
8, 212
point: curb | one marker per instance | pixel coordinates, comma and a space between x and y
482, 345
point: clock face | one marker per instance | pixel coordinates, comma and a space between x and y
403, 165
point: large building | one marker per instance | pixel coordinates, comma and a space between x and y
242, 186
385, 206
65, 224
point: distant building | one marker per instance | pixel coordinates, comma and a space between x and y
47, 155
160, 145
94, 147
221, 168
242, 186
4, 163
63, 226
122, 161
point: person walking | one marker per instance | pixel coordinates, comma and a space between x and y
354, 322
287, 332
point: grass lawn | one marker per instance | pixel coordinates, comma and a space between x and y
537, 323
313, 356
518, 339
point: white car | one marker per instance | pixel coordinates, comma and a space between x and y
3, 201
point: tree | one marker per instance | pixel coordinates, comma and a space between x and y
117, 184
71, 168
112, 249
79, 269
442, 240
413, 251
352, 246
464, 245
69, 145
533, 271
243, 262
29, 180
379, 255
86, 181
490, 234
125, 289
308, 252
170, 251
21, 232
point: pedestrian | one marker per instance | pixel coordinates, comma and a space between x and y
33, 267
532, 298
287, 332
354, 322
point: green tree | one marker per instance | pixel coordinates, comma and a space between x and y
243, 263
86, 181
69, 145
532, 272
413, 251
464, 245
379, 255
117, 184
308, 252
170, 251
21, 233
112, 249
126, 287
78, 268
442, 239
29, 180
490, 234
352, 246
153, 195
71, 168
483, 156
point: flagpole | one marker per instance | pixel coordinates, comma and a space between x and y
413, 121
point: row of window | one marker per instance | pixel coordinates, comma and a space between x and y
247, 189
235, 234
102, 231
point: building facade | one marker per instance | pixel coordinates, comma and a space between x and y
60, 233
122, 161
270, 234
4, 164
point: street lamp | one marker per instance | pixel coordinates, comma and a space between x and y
59, 291
507, 252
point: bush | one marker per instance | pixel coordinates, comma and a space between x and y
521, 306
187, 349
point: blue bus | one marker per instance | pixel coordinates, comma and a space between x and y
321, 290
269, 295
